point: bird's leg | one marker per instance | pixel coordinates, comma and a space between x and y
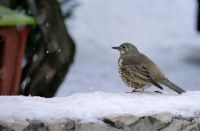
140, 90
135, 90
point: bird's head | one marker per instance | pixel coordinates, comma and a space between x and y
127, 49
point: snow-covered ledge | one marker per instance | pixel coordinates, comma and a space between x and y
102, 111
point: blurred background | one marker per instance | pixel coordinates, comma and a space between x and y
165, 30
69, 48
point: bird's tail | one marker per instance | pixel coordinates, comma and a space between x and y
172, 86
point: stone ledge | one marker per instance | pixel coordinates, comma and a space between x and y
127, 122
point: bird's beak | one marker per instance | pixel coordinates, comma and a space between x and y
116, 48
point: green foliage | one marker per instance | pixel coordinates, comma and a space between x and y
10, 17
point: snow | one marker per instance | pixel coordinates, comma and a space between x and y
88, 107
162, 29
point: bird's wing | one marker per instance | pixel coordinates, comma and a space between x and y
138, 71
142, 72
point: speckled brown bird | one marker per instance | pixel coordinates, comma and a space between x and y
138, 71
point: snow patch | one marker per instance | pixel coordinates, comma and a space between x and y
93, 106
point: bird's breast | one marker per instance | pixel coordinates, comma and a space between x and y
120, 64
123, 75
129, 79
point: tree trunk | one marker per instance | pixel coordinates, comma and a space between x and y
198, 15
54, 52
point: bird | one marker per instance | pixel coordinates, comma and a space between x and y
139, 72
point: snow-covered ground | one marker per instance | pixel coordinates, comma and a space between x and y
93, 106
162, 29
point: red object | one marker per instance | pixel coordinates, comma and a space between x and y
12, 44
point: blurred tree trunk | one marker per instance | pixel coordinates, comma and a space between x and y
54, 54
198, 15
52, 51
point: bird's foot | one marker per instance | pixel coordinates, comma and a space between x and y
132, 91
135, 90
158, 92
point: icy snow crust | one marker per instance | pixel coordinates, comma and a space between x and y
94, 106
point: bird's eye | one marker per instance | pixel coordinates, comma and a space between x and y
123, 47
